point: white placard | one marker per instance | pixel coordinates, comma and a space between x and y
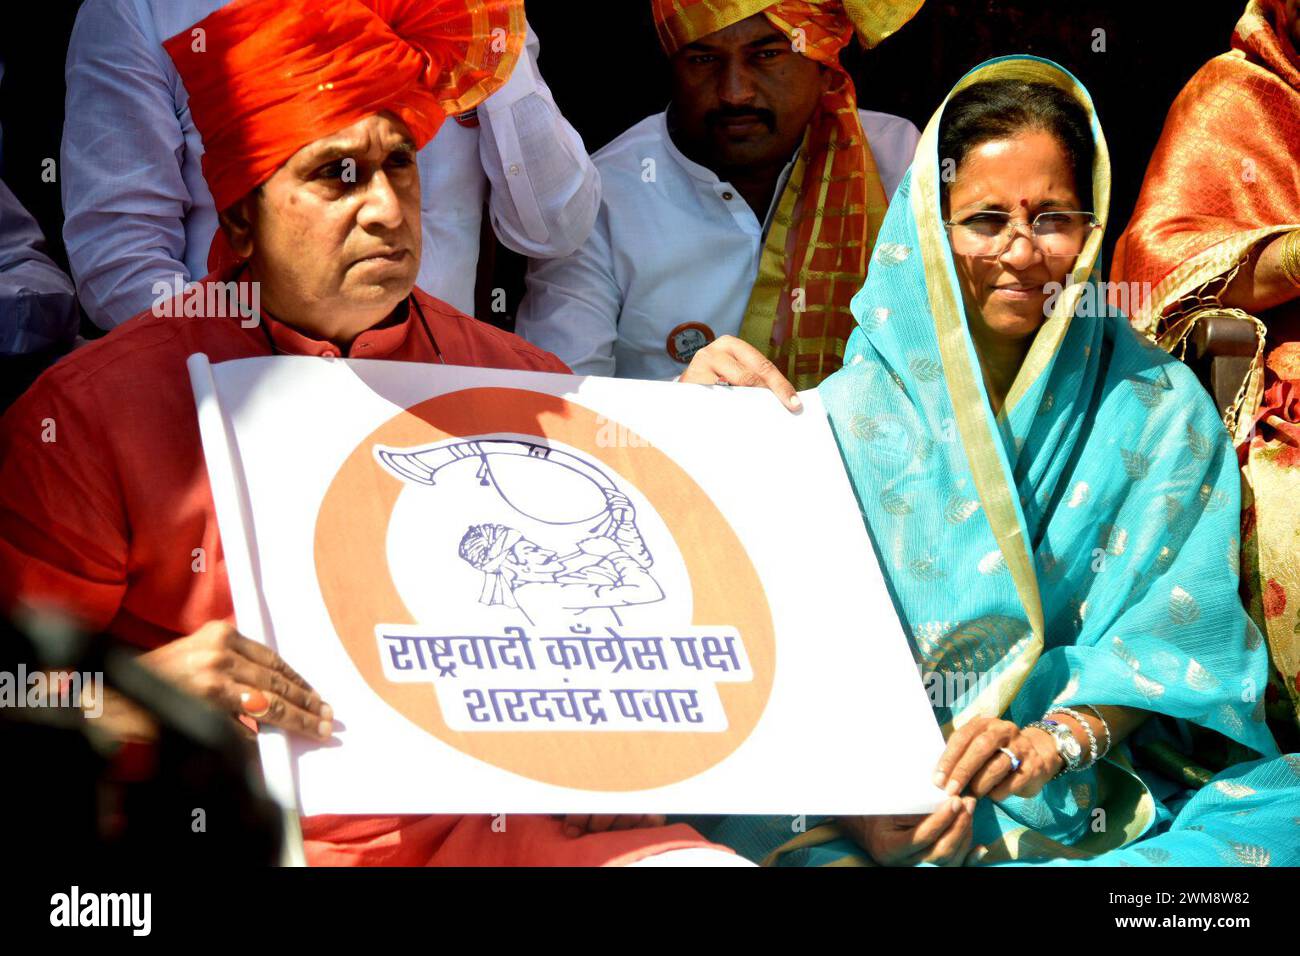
534, 593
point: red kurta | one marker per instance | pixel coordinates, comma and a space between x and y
104, 498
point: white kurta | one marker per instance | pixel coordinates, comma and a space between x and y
138, 210
673, 245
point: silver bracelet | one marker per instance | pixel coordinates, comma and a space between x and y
1087, 729
1105, 726
1067, 748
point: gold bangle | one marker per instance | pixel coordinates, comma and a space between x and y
1290, 249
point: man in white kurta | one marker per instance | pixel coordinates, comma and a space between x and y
673, 259
138, 211
678, 251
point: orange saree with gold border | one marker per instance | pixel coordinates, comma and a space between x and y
1224, 178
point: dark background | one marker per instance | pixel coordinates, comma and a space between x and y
602, 61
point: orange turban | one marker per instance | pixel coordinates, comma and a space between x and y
267, 77
815, 258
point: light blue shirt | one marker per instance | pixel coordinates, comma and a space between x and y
38, 308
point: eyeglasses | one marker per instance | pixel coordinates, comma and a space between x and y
1057, 234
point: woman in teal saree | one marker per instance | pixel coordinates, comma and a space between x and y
1054, 503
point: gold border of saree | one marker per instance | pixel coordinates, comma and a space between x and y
1271, 489
1188, 279
992, 482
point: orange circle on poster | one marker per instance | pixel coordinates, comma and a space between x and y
359, 593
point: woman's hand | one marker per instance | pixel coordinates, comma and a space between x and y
942, 838
576, 824
240, 676
728, 360
974, 763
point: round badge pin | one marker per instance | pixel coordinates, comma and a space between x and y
687, 339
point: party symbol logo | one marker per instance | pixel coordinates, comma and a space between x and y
578, 614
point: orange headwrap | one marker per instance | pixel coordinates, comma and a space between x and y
267, 77
824, 229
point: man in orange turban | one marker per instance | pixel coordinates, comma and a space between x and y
749, 209
311, 115
1217, 232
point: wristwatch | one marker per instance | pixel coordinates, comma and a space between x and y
1067, 746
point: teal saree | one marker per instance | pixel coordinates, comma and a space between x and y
1080, 547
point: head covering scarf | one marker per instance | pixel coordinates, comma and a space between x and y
267, 77
1078, 547
1222, 181
486, 547
816, 251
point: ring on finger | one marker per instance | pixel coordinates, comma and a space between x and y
255, 704
1015, 761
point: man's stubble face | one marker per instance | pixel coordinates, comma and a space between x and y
743, 98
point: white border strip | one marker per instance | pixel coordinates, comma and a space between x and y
234, 520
